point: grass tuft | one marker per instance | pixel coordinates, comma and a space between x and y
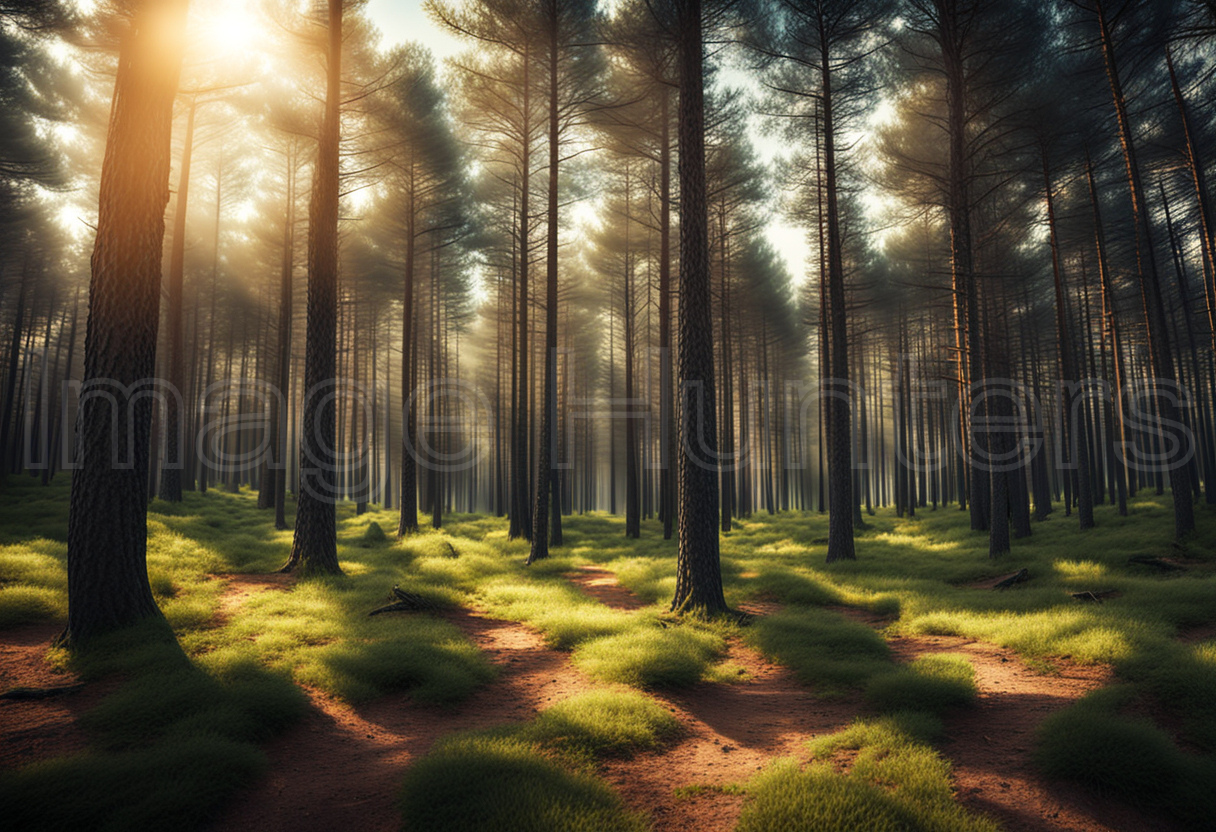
167, 747
651, 657
896, 784
472, 784
1092, 743
933, 683
823, 648
603, 723
373, 536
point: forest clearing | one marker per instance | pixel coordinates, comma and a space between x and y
607, 415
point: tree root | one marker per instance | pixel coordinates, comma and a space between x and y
26, 694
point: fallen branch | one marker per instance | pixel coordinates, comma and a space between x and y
1157, 563
25, 694
1095, 597
452, 553
406, 602
1009, 580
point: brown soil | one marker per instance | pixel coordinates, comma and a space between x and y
601, 585
341, 766
730, 731
39, 728
990, 745
1194, 635
243, 586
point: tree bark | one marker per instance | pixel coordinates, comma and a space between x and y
698, 567
171, 472
521, 517
407, 518
314, 549
107, 524
548, 505
1150, 292
667, 421
840, 473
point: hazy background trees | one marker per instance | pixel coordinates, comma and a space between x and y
1015, 192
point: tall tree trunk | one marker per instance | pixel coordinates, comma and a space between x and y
521, 517
1150, 292
633, 509
272, 471
1117, 434
171, 473
698, 567
548, 507
966, 315
277, 474
107, 520
1207, 237
407, 518
1075, 436
840, 470
667, 421
728, 399
314, 549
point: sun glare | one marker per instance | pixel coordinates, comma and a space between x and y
226, 28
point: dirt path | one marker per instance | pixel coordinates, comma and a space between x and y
340, 768
991, 745
242, 586
730, 732
602, 585
39, 728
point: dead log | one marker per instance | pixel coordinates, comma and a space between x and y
1156, 562
406, 602
1009, 580
26, 694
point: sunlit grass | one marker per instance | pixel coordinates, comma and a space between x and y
896, 783
923, 573
651, 657
536, 776
934, 683
603, 723
473, 784
825, 650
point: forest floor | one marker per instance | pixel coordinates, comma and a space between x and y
758, 699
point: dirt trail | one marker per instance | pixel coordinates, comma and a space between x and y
990, 745
730, 732
35, 729
341, 766
602, 585
241, 586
